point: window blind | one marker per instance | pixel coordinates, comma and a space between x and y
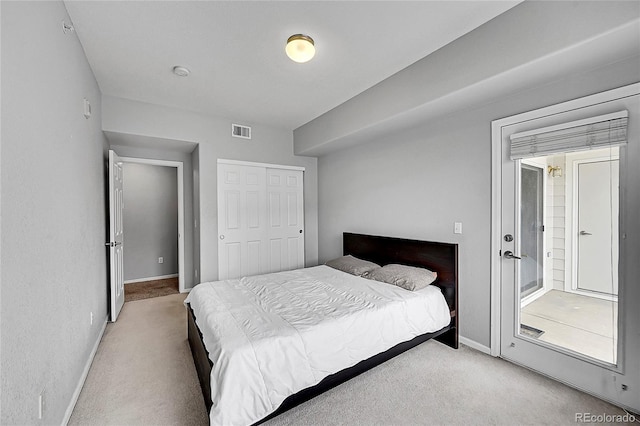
591, 133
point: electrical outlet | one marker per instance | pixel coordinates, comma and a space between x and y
161, 260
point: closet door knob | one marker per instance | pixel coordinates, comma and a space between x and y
222, 237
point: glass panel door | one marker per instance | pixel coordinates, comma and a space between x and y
568, 328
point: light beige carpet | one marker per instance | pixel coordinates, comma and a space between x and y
433, 384
143, 375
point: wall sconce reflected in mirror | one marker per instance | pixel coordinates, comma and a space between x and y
554, 171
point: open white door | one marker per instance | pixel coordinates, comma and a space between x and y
115, 235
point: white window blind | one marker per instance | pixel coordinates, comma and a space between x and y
591, 133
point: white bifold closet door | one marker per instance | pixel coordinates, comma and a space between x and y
260, 220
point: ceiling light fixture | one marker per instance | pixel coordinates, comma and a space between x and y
181, 71
300, 48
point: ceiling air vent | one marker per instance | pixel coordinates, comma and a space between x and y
238, 131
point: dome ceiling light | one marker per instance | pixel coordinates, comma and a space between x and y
300, 48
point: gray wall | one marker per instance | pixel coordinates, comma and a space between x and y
213, 134
150, 219
187, 188
417, 183
53, 213
411, 155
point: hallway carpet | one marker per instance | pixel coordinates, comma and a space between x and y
143, 373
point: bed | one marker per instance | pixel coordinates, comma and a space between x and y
245, 383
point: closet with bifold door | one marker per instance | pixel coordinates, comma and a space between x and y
260, 218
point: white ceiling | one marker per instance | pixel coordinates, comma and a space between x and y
235, 50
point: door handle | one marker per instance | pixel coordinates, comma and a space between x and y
509, 255
112, 244
585, 233
222, 237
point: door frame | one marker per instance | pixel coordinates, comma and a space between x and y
496, 188
180, 172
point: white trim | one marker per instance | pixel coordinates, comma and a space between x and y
151, 161
496, 224
159, 277
496, 185
180, 166
83, 376
267, 165
474, 345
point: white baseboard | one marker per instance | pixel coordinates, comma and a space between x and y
160, 277
474, 345
83, 376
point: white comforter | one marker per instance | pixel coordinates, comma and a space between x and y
270, 336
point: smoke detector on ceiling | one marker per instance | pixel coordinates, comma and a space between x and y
181, 71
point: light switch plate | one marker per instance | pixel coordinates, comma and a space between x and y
86, 106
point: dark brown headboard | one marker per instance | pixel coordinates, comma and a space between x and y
438, 257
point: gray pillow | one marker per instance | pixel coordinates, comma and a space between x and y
407, 277
352, 265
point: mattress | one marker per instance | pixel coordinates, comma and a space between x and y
270, 336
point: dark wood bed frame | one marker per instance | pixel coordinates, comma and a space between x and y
439, 257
